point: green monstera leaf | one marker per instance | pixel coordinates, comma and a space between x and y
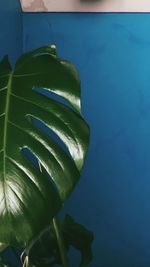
29, 198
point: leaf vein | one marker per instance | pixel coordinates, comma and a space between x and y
26, 173
58, 117
38, 140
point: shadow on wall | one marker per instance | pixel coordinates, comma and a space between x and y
90, 1
35, 5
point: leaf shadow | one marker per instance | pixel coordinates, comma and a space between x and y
91, 1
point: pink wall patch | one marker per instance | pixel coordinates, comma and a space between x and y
86, 5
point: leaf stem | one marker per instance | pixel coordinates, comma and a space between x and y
60, 241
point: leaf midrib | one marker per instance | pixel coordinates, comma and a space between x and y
5, 134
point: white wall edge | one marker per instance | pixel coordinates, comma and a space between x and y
85, 5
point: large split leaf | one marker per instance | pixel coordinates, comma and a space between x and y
28, 198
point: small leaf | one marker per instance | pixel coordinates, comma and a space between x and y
79, 237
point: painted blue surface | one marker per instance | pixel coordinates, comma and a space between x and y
10, 29
112, 54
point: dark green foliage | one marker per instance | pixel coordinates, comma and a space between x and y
44, 250
79, 237
4, 263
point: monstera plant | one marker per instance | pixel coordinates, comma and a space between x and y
43, 144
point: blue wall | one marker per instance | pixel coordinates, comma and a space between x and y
112, 54
10, 29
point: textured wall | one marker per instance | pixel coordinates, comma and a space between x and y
112, 53
10, 29
86, 5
